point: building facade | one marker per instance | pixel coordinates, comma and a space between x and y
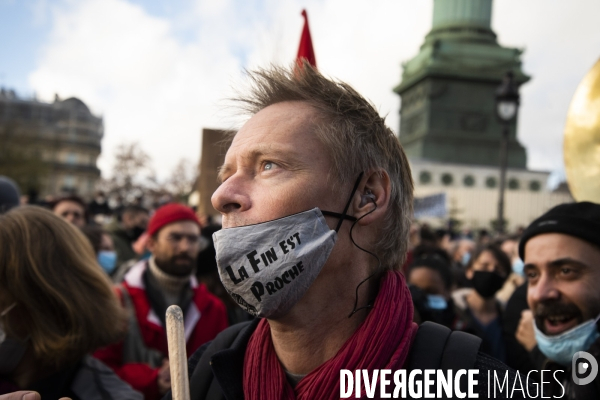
51, 148
471, 193
212, 157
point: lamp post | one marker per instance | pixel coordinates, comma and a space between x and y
507, 104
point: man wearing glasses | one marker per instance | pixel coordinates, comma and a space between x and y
149, 288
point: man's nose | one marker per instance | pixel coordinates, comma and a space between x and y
544, 289
183, 245
230, 197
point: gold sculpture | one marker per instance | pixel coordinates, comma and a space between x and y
582, 139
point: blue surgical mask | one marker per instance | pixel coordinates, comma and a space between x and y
518, 267
436, 302
465, 259
107, 260
561, 348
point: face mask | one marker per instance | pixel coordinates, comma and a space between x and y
561, 348
268, 267
487, 283
436, 302
518, 267
465, 259
11, 350
107, 260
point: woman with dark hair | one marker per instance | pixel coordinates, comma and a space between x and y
486, 272
56, 307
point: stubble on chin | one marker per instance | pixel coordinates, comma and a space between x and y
235, 221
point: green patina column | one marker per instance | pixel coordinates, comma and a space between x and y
448, 89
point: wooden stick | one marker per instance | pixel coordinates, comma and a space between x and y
180, 385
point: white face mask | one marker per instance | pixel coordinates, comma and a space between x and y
561, 348
11, 350
268, 267
518, 267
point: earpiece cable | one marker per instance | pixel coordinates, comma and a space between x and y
370, 304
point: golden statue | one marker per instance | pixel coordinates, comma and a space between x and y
582, 139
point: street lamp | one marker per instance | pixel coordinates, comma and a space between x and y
507, 104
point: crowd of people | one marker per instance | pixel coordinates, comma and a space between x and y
319, 266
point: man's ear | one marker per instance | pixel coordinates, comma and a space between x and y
151, 244
372, 197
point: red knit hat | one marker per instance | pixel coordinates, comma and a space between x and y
169, 213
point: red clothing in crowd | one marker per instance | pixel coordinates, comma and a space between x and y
204, 319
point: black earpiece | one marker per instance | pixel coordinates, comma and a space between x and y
366, 198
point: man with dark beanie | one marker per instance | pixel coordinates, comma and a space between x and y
561, 251
149, 288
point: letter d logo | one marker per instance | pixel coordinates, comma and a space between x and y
590, 364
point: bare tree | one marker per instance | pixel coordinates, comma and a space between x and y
182, 179
133, 178
132, 173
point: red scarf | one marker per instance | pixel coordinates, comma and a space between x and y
382, 341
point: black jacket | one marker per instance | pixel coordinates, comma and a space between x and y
226, 366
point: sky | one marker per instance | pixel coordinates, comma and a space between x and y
160, 71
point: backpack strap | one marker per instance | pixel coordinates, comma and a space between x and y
437, 347
428, 346
460, 351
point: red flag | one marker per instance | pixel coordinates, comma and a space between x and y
306, 48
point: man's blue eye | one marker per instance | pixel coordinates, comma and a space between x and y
268, 166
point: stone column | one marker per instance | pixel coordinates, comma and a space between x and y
474, 13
